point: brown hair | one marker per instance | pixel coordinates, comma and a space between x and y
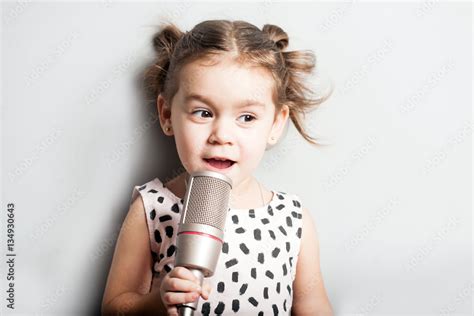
264, 48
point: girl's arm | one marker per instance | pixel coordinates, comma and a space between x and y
309, 294
128, 285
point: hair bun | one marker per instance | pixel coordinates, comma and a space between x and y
166, 39
277, 35
164, 43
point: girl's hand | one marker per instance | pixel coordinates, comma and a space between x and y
180, 286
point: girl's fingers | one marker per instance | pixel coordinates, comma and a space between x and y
172, 311
173, 298
183, 273
206, 290
180, 285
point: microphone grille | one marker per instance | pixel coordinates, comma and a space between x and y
207, 199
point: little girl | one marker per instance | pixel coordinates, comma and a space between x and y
224, 91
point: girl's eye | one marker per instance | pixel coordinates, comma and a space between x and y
207, 113
248, 118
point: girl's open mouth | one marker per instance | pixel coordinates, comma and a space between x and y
219, 164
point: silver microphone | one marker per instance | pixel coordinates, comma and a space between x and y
201, 228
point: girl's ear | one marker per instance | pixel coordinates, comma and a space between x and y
164, 113
278, 125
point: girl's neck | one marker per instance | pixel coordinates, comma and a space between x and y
247, 195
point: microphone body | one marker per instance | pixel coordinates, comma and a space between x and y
201, 228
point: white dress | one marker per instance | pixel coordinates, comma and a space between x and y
256, 269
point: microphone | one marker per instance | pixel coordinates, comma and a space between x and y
201, 228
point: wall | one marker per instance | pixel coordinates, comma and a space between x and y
390, 193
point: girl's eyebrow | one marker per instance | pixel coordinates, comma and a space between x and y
204, 99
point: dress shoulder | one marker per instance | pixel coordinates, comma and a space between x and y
162, 211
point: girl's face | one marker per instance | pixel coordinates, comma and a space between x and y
226, 111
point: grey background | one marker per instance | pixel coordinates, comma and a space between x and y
390, 194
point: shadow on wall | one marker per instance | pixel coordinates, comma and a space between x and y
158, 158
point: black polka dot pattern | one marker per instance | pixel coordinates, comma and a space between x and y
220, 308
231, 263
244, 249
165, 218
170, 250
243, 288
158, 236
253, 273
220, 287
275, 252
240, 230
235, 305
175, 208
225, 247
253, 301
206, 308
169, 231
275, 309
235, 219
256, 268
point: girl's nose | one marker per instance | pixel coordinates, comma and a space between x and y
221, 133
